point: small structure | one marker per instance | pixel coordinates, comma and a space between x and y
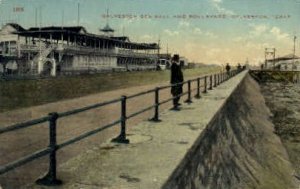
183, 61
288, 62
164, 61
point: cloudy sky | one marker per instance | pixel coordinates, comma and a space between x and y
209, 31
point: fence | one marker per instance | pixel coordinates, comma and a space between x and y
50, 179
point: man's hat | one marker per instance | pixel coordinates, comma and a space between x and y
175, 57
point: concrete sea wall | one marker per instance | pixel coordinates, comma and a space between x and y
238, 148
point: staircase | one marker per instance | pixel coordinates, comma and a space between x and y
41, 57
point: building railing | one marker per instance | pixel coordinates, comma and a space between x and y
101, 51
31, 47
209, 82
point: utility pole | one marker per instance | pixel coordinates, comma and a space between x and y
167, 49
36, 15
158, 45
294, 52
62, 19
78, 14
274, 58
107, 16
265, 58
40, 16
157, 62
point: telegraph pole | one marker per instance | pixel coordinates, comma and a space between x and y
36, 17
62, 18
274, 58
158, 45
294, 53
265, 58
78, 14
167, 49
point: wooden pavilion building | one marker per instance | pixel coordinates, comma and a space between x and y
68, 50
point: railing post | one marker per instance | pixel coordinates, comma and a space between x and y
50, 178
122, 137
221, 78
210, 83
198, 89
189, 100
205, 84
215, 80
156, 109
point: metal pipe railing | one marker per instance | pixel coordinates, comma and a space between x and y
189, 99
122, 137
198, 95
156, 102
50, 178
210, 82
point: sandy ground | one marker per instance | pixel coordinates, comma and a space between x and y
283, 100
26, 141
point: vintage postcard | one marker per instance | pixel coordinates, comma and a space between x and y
140, 94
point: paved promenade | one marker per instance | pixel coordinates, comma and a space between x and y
155, 149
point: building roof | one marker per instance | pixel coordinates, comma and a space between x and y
76, 29
121, 38
107, 28
77, 33
286, 57
16, 26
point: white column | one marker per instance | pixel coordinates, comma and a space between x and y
53, 70
18, 46
9, 48
40, 65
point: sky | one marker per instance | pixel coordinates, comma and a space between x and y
206, 31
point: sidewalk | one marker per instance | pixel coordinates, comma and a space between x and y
154, 152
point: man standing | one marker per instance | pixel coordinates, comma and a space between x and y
227, 68
176, 81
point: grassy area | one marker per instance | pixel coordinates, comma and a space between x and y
26, 93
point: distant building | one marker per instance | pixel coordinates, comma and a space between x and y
8, 46
183, 61
191, 65
62, 50
288, 62
164, 61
